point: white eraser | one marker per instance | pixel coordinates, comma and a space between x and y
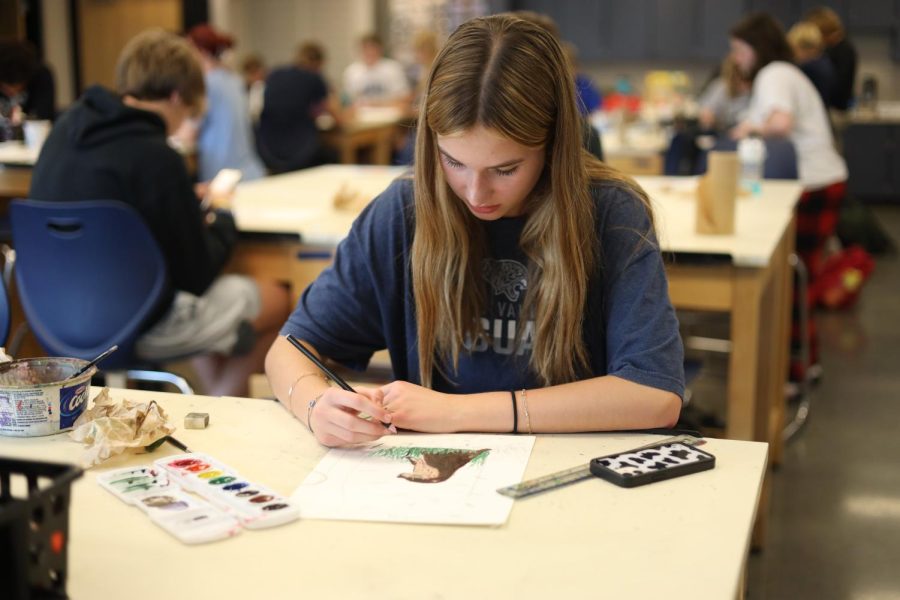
196, 420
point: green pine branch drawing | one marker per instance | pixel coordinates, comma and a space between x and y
402, 453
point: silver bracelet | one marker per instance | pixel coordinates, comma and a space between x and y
293, 385
311, 406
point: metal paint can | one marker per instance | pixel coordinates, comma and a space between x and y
38, 396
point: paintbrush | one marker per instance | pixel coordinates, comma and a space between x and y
331, 374
102, 355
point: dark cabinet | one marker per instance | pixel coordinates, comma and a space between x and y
873, 16
872, 152
643, 29
681, 30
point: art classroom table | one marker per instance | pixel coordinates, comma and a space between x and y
683, 537
15, 182
16, 161
371, 127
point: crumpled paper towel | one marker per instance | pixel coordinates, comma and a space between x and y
110, 427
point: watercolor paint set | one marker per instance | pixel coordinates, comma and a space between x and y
221, 502
255, 506
187, 517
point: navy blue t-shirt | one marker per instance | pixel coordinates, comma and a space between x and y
363, 302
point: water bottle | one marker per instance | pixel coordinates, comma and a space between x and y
752, 156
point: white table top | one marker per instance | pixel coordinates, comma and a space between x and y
302, 203
760, 221
17, 153
687, 536
634, 141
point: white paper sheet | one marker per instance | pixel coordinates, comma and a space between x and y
365, 483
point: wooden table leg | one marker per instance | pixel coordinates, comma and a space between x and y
744, 362
783, 281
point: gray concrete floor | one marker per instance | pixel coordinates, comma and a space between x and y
834, 525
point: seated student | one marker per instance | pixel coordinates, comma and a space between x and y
515, 279
784, 103
723, 104
254, 72
809, 54
26, 88
287, 136
112, 146
374, 79
225, 138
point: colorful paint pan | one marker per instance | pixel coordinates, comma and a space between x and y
222, 480
255, 506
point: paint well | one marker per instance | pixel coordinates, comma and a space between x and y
222, 480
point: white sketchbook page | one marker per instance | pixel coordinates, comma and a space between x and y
353, 484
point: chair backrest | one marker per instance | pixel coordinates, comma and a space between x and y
781, 157
89, 274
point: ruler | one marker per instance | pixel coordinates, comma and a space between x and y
569, 476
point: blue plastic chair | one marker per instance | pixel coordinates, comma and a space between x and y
89, 275
5, 316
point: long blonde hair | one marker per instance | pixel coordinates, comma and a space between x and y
511, 76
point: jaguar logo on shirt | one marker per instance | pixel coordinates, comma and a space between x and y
506, 277
509, 281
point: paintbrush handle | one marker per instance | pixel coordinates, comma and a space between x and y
331, 374
103, 355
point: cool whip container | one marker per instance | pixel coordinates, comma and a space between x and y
38, 396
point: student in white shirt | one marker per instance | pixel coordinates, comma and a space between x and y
375, 79
784, 103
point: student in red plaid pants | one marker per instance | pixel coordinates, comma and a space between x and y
817, 217
784, 103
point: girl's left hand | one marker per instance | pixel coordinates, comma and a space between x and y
417, 408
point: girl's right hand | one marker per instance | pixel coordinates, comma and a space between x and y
335, 419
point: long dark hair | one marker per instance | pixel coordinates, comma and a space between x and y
766, 36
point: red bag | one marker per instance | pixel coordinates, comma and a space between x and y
841, 279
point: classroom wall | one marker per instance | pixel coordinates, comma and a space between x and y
57, 49
274, 28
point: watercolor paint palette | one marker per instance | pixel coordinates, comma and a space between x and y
188, 518
255, 506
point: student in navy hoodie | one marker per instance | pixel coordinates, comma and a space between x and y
112, 146
515, 280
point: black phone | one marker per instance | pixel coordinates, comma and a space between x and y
654, 463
